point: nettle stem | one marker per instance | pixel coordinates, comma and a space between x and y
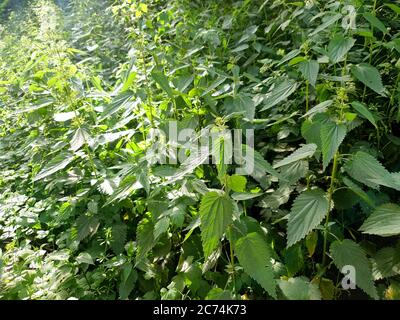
307, 94
330, 196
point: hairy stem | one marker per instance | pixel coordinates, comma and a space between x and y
330, 195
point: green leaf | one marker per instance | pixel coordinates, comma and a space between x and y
65, 116
54, 165
319, 108
163, 82
348, 252
119, 102
216, 211
240, 103
214, 85
384, 221
144, 239
254, 160
279, 93
254, 256
303, 152
375, 22
338, 47
308, 210
328, 22
128, 279
294, 260
245, 196
87, 226
311, 242
119, 233
363, 110
366, 169
386, 263
80, 137
369, 76
394, 7
161, 227
332, 135
310, 70
237, 183
84, 257
299, 289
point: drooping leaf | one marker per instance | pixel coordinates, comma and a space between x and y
303, 152
384, 221
328, 22
87, 226
386, 263
85, 257
241, 103
216, 211
80, 137
128, 279
321, 107
119, 235
299, 289
58, 163
118, 103
349, 253
307, 212
332, 135
254, 256
160, 227
144, 239
309, 69
394, 7
162, 81
369, 76
366, 169
338, 47
375, 22
363, 110
279, 93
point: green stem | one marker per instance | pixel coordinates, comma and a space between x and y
307, 94
330, 195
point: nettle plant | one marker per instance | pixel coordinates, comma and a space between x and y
316, 81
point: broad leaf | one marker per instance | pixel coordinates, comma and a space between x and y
310, 70
299, 289
79, 139
56, 164
369, 76
332, 135
303, 152
216, 211
384, 221
349, 253
279, 93
339, 47
363, 110
307, 212
366, 169
328, 22
375, 22
144, 239
163, 82
254, 255
386, 262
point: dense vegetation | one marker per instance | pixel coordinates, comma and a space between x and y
87, 212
